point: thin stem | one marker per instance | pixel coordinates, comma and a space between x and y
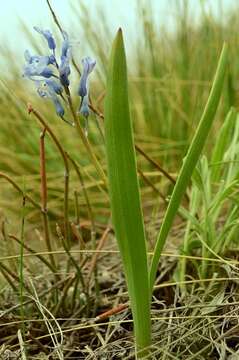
58, 230
57, 22
84, 139
9, 280
43, 122
60, 303
14, 184
43, 171
39, 256
77, 208
91, 217
89, 208
147, 181
54, 16
44, 198
9, 244
74, 262
21, 263
96, 255
12, 274
153, 162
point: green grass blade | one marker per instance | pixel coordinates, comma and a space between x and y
190, 160
124, 192
224, 138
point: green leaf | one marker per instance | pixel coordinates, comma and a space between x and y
124, 192
224, 138
190, 161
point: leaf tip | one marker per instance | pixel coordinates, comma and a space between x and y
120, 34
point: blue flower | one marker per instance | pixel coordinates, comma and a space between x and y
37, 65
58, 106
64, 69
41, 88
65, 45
51, 89
47, 88
88, 66
84, 109
30, 71
52, 59
36, 59
48, 36
54, 86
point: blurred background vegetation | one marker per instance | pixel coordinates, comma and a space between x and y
170, 73
171, 64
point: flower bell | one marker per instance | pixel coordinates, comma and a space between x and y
37, 65
48, 36
88, 66
83, 91
51, 89
84, 109
64, 69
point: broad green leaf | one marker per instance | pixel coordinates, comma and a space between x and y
124, 192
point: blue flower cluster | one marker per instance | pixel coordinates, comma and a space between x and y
52, 77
